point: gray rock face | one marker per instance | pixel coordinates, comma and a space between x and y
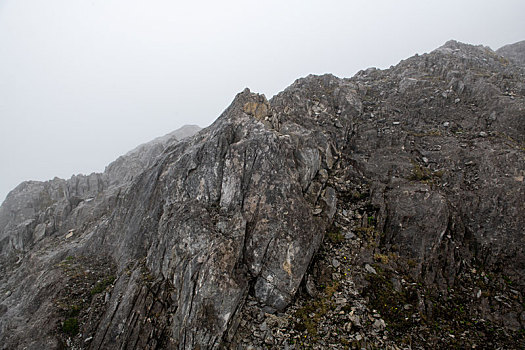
126, 167
217, 215
514, 52
34, 209
176, 235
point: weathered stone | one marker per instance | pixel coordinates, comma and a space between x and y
310, 286
370, 269
190, 229
379, 324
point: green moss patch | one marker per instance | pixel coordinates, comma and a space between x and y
311, 313
70, 326
395, 306
102, 285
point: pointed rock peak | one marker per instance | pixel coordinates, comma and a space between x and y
459, 49
246, 96
452, 44
253, 104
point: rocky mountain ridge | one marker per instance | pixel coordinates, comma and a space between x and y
413, 176
18, 226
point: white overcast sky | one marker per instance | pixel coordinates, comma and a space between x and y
84, 81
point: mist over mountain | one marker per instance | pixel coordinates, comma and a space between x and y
384, 210
514, 52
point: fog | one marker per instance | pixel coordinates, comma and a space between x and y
84, 81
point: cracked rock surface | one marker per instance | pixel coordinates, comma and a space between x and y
374, 211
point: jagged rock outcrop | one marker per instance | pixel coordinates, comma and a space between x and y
34, 209
126, 167
165, 247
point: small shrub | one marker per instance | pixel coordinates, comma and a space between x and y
335, 237
101, 286
70, 326
331, 289
370, 234
381, 257
420, 173
314, 310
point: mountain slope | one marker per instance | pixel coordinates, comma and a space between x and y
34, 208
514, 52
422, 163
426, 248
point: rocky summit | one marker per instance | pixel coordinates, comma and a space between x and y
383, 211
